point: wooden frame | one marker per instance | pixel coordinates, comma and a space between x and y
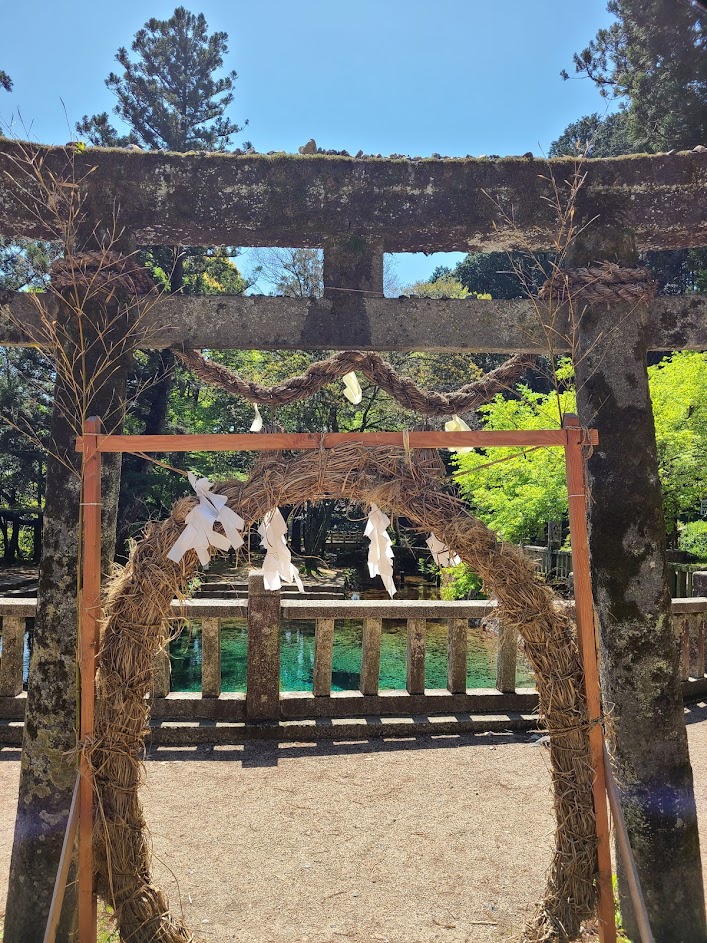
572, 438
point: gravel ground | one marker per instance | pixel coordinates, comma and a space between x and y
406, 841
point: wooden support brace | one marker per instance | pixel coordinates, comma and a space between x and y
90, 615
586, 632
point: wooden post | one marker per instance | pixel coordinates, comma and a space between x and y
416, 656
64, 864
370, 656
11, 660
323, 655
456, 655
506, 659
262, 699
624, 847
90, 615
586, 636
211, 658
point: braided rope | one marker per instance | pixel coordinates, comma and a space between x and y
101, 270
372, 366
607, 283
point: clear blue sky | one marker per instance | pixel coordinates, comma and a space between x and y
389, 76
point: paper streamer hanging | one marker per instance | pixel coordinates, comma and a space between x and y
258, 421
352, 388
380, 552
455, 424
441, 554
199, 533
278, 567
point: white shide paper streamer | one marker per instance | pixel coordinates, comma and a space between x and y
199, 533
352, 388
455, 424
380, 552
441, 554
278, 567
258, 421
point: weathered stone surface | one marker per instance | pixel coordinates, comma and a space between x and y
49, 738
370, 656
361, 728
456, 655
640, 669
263, 674
323, 656
506, 658
416, 640
211, 657
252, 322
13, 643
426, 205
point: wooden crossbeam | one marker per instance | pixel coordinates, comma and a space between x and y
409, 205
279, 441
231, 322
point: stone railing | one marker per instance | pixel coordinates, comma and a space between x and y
264, 702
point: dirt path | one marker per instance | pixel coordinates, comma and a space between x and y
415, 841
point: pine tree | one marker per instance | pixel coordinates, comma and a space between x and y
168, 94
654, 59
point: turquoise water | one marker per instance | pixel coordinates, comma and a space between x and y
297, 657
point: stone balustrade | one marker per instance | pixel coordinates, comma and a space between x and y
265, 703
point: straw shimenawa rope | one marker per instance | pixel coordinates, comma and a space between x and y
371, 365
138, 607
606, 283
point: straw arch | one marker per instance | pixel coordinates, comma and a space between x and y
411, 484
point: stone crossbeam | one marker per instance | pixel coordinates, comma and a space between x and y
232, 322
649, 201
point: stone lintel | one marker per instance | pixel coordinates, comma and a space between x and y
462, 204
230, 322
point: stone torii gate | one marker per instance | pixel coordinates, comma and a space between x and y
357, 209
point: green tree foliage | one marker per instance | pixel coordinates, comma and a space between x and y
654, 58
679, 394
517, 491
693, 539
5, 81
168, 95
24, 264
444, 285
596, 137
26, 382
516, 497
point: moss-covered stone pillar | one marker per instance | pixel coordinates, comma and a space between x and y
93, 325
640, 670
353, 271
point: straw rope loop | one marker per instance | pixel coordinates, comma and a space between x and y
138, 604
323, 372
102, 271
606, 283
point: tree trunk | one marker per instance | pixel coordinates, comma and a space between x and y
49, 762
639, 656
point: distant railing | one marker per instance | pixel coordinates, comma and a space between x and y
264, 701
557, 565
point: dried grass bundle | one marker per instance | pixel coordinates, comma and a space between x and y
410, 483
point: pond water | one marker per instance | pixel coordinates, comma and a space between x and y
297, 657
